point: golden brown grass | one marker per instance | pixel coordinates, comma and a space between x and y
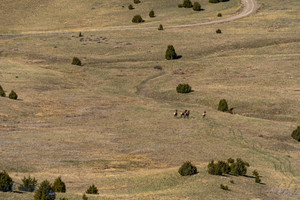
110, 122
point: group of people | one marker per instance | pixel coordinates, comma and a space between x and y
186, 114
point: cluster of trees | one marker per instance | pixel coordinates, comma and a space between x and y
12, 94
46, 190
238, 167
189, 4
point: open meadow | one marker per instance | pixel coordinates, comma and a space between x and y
110, 121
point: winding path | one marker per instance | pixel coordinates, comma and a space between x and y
249, 7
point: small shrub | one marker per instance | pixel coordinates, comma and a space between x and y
187, 169
224, 187
296, 134
196, 6
158, 67
80, 34
6, 182
136, 1
231, 181
45, 191
255, 173
92, 190
13, 95
2, 93
187, 4
214, 1
151, 13
239, 167
257, 179
183, 88
59, 185
84, 197
219, 15
130, 7
218, 31
180, 5
223, 167
137, 19
223, 106
160, 28
170, 53
230, 160
76, 61
28, 184
214, 169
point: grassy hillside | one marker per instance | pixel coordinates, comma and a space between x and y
110, 122
32, 15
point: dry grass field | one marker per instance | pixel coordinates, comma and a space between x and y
110, 122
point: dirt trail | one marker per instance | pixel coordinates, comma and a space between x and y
249, 7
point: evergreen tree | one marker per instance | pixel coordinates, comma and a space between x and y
28, 184
6, 182
170, 53
45, 191
2, 93
59, 185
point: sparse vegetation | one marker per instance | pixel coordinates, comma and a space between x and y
218, 31
160, 28
187, 169
180, 5
137, 19
239, 167
223, 106
231, 181
151, 13
224, 187
84, 197
76, 61
2, 93
183, 88
13, 95
187, 4
92, 190
130, 7
214, 169
28, 184
196, 6
6, 182
256, 175
45, 191
217, 1
296, 134
170, 53
59, 185
257, 179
